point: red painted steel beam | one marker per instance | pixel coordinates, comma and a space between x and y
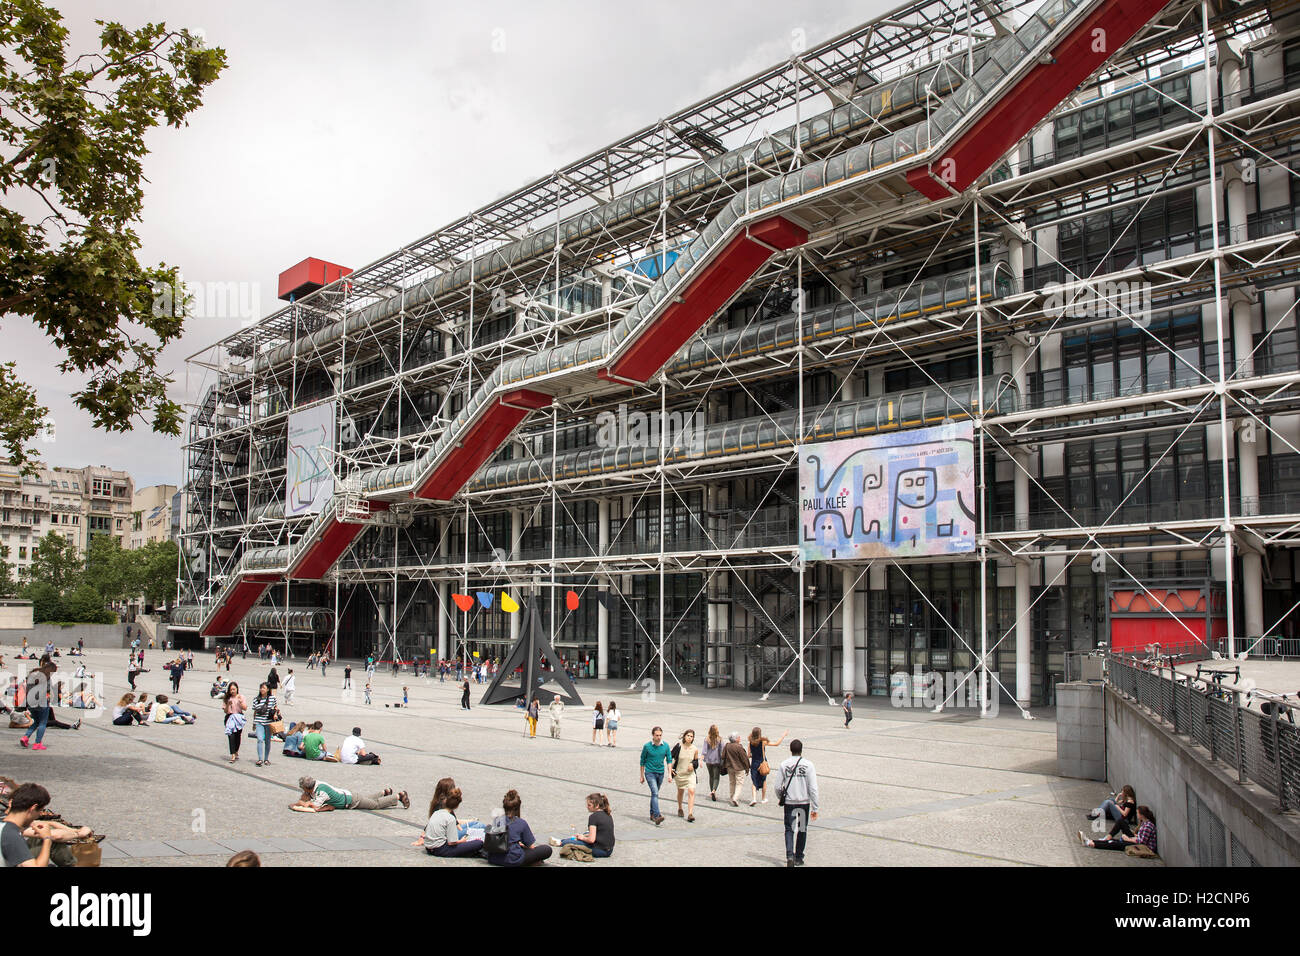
717, 282
1074, 59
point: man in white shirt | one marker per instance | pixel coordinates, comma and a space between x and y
288, 689
354, 750
796, 787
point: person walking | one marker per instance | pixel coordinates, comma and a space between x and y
177, 670
347, 676
848, 710
686, 760
735, 760
273, 680
758, 766
597, 723
288, 688
611, 723
324, 664
367, 692
713, 759
796, 789
234, 705
38, 695
264, 708
464, 696
534, 711
654, 760
555, 709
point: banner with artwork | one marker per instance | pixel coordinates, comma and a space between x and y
898, 495
309, 481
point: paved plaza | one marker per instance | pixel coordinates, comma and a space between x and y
902, 787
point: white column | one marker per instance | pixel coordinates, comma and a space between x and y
1024, 636
848, 578
516, 538
444, 589
602, 612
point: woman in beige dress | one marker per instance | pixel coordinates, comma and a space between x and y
686, 761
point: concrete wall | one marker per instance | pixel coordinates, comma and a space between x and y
95, 635
15, 614
1142, 751
1080, 731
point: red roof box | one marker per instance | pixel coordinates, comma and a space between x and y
308, 276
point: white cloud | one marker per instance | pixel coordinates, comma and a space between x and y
344, 130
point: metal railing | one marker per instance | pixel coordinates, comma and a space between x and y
1262, 745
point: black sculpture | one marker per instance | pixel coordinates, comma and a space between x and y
528, 653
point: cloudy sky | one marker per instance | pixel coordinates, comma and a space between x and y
344, 130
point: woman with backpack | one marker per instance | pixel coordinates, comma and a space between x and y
520, 846
686, 760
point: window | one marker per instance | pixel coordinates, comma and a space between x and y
22, 553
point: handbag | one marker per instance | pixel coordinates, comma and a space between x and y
86, 854
496, 839
785, 783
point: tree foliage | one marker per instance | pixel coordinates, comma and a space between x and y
72, 134
64, 586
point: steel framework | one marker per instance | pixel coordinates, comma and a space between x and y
399, 376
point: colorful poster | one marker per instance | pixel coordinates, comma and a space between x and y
309, 481
898, 495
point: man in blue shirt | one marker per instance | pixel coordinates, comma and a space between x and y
654, 761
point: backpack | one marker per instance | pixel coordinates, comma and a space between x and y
496, 839
785, 783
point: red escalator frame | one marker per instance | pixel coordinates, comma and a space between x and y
730, 269
238, 603
483, 439
1040, 91
329, 547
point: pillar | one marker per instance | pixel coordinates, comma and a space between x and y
1024, 641
444, 589
602, 611
516, 537
1243, 343
848, 577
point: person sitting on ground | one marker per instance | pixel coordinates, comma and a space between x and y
599, 838
218, 687
293, 741
354, 750
165, 713
1122, 810
25, 806
313, 744
1146, 835
320, 797
443, 834
127, 711
521, 846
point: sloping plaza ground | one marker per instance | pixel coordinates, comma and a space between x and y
902, 787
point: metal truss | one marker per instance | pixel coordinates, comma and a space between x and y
856, 236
